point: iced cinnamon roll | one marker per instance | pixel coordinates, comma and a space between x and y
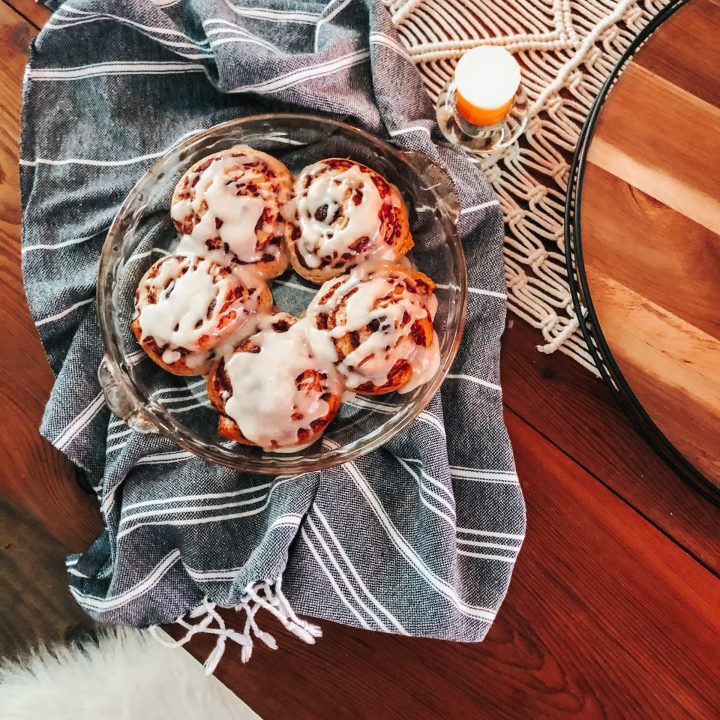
229, 207
187, 306
273, 391
345, 214
377, 324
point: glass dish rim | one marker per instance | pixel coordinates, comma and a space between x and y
263, 465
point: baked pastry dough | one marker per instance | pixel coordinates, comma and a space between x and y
187, 306
272, 391
345, 214
276, 380
377, 321
229, 207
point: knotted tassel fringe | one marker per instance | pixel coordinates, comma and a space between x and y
266, 594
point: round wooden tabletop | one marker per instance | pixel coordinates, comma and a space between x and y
647, 225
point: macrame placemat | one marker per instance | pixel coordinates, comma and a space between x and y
567, 49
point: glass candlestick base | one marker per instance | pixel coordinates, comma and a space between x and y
481, 139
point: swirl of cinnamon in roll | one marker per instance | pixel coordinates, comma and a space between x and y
229, 207
377, 324
345, 214
186, 306
272, 391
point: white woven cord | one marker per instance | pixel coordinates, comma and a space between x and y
567, 49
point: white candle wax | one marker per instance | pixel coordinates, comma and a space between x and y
486, 80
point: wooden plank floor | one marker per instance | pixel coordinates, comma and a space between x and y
34, 597
30, 467
613, 609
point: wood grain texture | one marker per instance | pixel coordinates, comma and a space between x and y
34, 597
650, 220
678, 60
677, 248
580, 414
673, 367
599, 623
36, 13
32, 472
663, 141
608, 616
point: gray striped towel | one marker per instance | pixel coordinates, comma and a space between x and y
419, 537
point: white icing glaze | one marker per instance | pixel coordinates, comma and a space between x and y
179, 318
425, 363
171, 356
321, 343
266, 403
172, 319
369, 295
330, 221
229, 196
226, 347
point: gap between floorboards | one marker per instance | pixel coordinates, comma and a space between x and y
615, 492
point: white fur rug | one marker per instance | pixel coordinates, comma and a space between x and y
126, 675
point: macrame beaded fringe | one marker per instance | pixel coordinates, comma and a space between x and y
567, 49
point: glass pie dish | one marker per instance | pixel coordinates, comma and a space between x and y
151, 400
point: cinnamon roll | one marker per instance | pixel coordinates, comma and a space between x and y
186, 306
272, 391
345, 214
229, 207
377, 322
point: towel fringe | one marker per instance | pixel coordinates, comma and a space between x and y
266, 594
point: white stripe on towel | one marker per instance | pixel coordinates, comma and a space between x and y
195, 498
329, 576
378, 38
158, 512
112, 603
58, 22
491, 293
414, 128
79, 423
424, 416
63, 313
328, 18
442, 586
209, 519
489, 533
107, 163
470, 378
497, 476
481, 206
105, 69
423, 488
63, 243
161, 458
343, 576
429, 478
298, 76
355, 574
271, 15
124, 20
